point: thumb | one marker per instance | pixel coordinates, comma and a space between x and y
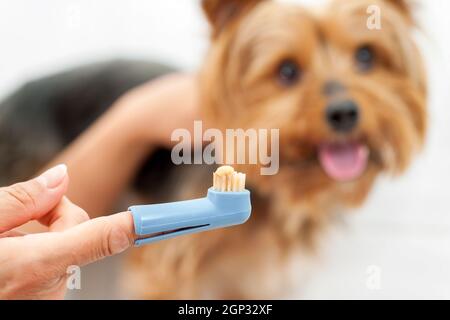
91, 240
32, 199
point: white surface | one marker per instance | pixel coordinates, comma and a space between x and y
403, 231
46, 35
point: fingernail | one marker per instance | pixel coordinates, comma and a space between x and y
120, 238
119, 243
53, 176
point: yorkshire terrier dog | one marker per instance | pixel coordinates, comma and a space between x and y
350, 103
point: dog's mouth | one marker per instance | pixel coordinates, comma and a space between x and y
343, 161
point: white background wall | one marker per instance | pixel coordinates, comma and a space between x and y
403, 231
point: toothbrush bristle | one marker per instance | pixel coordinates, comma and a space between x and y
226, 179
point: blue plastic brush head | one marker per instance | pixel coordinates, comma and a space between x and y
167, 220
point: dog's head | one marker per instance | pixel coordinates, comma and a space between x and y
349, 99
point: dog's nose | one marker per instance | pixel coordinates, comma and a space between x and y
342, 116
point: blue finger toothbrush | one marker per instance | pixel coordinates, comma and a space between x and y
227, 203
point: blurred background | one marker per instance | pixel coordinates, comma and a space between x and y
396, 246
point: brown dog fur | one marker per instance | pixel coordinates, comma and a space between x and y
240, 90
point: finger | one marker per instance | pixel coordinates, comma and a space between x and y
32, 199
90, 241
64, 216
12, 233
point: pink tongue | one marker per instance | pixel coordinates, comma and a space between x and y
345, 161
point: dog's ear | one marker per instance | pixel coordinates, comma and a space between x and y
220, 13
406, 8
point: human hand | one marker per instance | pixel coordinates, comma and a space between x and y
160, 106
34, 266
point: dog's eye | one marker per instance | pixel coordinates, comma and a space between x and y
288, 72
365, 58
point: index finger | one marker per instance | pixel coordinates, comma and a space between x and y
89, 241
